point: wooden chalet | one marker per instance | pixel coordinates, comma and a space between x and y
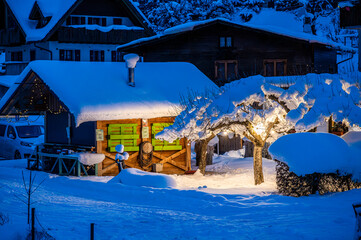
226, 51
68, 30
91, 105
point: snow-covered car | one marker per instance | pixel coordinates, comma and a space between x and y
18, 139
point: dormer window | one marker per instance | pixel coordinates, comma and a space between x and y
96, 20
225, 42
37, 15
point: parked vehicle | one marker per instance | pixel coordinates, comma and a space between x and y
19, 138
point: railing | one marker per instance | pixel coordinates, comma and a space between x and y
15, 68
10, 37
83, 35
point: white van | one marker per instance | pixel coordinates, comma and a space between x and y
19, 138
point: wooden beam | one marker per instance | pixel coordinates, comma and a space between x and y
188, 154
170, 159
99, 149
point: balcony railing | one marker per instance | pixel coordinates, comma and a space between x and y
83, 35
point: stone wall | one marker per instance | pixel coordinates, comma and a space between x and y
290, 184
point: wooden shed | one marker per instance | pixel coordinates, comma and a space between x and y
91, 105
226, 51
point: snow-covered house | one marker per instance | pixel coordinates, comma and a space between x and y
91, 104
69, 30
225, 51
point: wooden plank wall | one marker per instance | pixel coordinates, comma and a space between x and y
181, 158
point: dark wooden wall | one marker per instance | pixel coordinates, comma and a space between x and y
109, 8
56, 125
250, 49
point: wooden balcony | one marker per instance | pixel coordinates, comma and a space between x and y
83, 35
350, 17
10, 37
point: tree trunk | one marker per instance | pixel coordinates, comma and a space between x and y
257, 164
203, 152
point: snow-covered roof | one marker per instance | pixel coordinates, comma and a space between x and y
99, 90
55, 9
190, 26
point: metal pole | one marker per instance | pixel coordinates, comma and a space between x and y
92, 231
33, 224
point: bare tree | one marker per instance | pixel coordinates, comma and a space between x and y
29, 188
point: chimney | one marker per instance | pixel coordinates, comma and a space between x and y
131, 61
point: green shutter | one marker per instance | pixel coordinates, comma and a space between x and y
125, 134
163, 145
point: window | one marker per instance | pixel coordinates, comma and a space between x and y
32, 55
94, 20
17, 56
32, 131
75, 20
225, 42
69, 55
117, 21
11, 132
2, 130
275, 67
226, 71
114, 56
96, 56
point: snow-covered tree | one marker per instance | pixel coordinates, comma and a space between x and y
287, 5
262, 112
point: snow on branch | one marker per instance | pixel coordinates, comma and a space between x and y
261, 111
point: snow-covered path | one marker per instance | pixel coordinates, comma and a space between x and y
66, 207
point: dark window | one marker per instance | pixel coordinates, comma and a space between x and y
275, 67
82, 20
104, 22
17, 56
226, 71
69, 55
117, 21
96, 56
225, 42
94, 20
11, 131
2, 130
114, 56
32, 55
32, 131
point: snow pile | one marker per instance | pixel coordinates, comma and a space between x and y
353, 139
90, 158
131, 60
136, 177
307, 153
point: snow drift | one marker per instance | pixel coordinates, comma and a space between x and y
136, 177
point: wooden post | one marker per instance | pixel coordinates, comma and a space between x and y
99, 149
78, 170
92, 231
33, 224
188, 154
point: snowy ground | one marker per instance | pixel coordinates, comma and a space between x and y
67, 205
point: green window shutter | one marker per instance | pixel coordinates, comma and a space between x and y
125, 134
163, 145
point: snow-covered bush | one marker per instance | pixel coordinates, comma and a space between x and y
262, 112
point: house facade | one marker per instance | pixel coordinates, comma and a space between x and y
226, 51
67, 30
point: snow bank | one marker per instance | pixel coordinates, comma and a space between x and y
136, 177
90, 158
18, 163
306, 153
